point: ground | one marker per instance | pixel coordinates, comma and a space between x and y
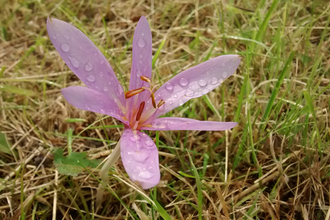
273, 165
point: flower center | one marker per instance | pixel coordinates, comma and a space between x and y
139, 117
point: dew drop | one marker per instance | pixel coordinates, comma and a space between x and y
138, 73
88, 66
87, 107
102, 111
54, 37
181, 102
101, 74
183, 82
214, 80
142, 34
141, 43
170, 102
120, 89
202, 83
140, 61
141, 55
90, 78
189, 92
223, 64
149, 143
168, 86
175, 96
132, 139
74, 61
140, 156
65, 47
101, 61
105, 88
66, 36
224, 74
146, 175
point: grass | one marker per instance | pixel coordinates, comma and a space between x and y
273, 165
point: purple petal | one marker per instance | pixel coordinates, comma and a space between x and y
142, 54
90, 100
84, 58
195, 82
140, 158
173, 123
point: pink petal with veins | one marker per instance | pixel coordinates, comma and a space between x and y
195, 82
172, 123
142, 54
140, 158
90, 100
84, 59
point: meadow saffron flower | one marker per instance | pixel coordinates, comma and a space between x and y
140, 107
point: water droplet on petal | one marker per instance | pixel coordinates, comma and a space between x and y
214, 80
120, 89
54, 37
105, 88
189, 92
202, 83
170, 102
140, 61
149, 143
66, 36
169, 86
146, 175
74, 61
223, 64
101, 74
65, 47
141, 55
132, 139
175, 96
90, 78
87, 107
101, 61
138, 73
224, 74
181, 102
183, 82
142, 34
140, 156
141, 43
88, 66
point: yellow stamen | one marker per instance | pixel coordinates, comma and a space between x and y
138, 115
133, 92
153, 101
160, 103
146, 79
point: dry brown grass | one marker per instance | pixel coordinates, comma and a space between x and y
288, 178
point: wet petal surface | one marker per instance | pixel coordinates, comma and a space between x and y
172, 123
84, 59
140, 158
195, 82
90, 100
142, 54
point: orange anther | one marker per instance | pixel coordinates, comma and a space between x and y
146, 79
153, 101
133, 92
160, 103
139, 113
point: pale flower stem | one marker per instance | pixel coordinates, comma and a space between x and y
114, 156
